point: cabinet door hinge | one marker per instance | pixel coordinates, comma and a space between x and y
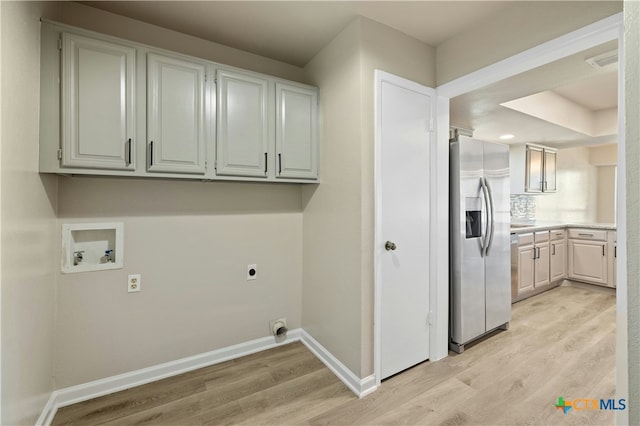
60, 154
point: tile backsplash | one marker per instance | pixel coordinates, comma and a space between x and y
523, 207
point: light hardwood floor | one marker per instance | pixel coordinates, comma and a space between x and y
560, 343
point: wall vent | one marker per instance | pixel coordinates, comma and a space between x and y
604, 60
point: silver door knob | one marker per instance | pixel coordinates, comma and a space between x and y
389, 246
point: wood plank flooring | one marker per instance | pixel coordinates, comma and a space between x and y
560, 343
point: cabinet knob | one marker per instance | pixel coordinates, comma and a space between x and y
389, 246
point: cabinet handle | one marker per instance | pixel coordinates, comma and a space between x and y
538, 252
266, 167
151, 153
603, 250
615, 251
127, 153
534, 254
279, 164
553, 252
585, 235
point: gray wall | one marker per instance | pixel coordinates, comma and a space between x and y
28, 210
337, 301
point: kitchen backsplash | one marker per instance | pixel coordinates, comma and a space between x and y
523, 207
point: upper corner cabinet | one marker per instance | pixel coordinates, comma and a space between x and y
242, 125
175, 115
98, 115
533, 169
296, 131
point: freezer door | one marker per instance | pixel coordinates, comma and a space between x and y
468, 207
497, 261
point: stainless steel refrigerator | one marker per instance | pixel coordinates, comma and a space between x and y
480, 275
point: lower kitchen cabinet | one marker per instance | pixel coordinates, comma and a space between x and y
588, 261
541, 267
558, 255
526, 262
533, 262
613, 257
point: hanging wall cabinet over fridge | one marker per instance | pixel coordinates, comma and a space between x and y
118, 108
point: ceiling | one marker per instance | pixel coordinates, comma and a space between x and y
266, 27
571, 79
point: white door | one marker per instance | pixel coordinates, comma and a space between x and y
296, 131
176, 92
404, 118
242, 128
98, 117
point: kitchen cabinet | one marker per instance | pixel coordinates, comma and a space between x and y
612, 258
533, 169
588, 256
98, 120
175, 115
536, 264
541, 259
296, 131
127, 109
242, 125
558, 255
526, 264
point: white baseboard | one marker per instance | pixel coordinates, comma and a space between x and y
86, 391
361, 387
74, 394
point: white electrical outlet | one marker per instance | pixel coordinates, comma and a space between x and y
252, 272
134, 283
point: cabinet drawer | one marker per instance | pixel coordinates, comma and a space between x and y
588, 234
557, 234
541, 237
525, 239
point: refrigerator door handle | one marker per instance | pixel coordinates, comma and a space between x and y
485, 193
493, 221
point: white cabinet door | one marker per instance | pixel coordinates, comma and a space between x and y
534, 169
175, 115
296, 132
588, 261
550, 183
98, 115
542, 265
525, 269
242, 128
558, 260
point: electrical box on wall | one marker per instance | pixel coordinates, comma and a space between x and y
92, 246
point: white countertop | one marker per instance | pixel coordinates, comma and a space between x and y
544, 225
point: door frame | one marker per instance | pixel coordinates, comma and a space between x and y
439, 241
608, 29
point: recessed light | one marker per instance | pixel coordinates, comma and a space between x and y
507, 137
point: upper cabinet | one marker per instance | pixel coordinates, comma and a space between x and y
98, 107
533, 169
175, 115
118, 108
296, 132
242, 126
